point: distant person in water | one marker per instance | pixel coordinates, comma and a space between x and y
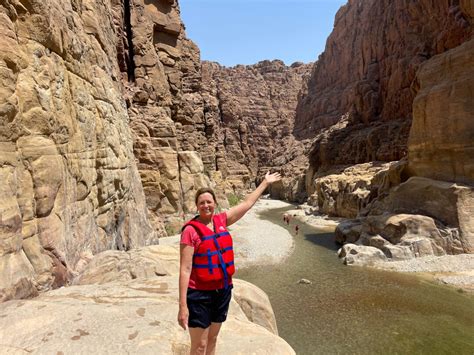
297, 228
207, 265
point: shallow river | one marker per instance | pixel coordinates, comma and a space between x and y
354, 310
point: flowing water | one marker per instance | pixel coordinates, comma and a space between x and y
355, 310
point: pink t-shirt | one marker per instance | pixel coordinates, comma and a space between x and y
190, 237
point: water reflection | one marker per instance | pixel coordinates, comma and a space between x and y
322, 239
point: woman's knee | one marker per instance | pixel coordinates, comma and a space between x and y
200, 346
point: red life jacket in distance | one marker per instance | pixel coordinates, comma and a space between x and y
214, 258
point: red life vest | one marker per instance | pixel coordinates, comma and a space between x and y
214, 258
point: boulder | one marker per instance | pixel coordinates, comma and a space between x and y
348, 231
447, 206
352, 254
255, 305
141, 263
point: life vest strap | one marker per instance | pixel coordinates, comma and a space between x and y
213, 252
211, 266
221, 260
217, 235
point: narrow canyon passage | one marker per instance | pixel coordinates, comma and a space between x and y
357, 310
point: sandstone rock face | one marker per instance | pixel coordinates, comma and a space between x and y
162, 75
137, 316
441, 144
348, 190
126, 301
251, 111
140, 263
420, 217
70, 187
361, 83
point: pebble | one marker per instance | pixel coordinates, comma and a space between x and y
304, 282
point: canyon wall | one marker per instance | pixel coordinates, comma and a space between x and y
362, 85
199, 124
104, 103
161, 72
441, 142
359, 103
428, 210
70, 186
251, 109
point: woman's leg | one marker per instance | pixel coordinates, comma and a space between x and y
199, 340
212, 338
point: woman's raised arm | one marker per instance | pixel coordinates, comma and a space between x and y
237, 212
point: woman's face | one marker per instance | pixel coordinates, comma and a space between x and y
206, 205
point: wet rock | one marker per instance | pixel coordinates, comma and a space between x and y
348, 231
304, 282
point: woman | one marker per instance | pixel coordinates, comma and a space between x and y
207, 265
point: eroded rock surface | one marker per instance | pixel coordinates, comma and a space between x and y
441, 143
161, 72
133, 311
70, 186
420, 217
251, 109
346, 191
364, 76
137, 316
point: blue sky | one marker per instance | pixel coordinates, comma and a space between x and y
247, 31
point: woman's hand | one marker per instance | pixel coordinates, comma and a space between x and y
237, 212
183, 316
271, 178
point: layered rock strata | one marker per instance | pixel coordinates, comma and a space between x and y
441, 144
70, 186
424, 216
162, 76
251, 109
199, 126
366, 73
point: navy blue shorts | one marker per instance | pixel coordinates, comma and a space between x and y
206, 307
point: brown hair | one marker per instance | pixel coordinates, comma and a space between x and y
204, 190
